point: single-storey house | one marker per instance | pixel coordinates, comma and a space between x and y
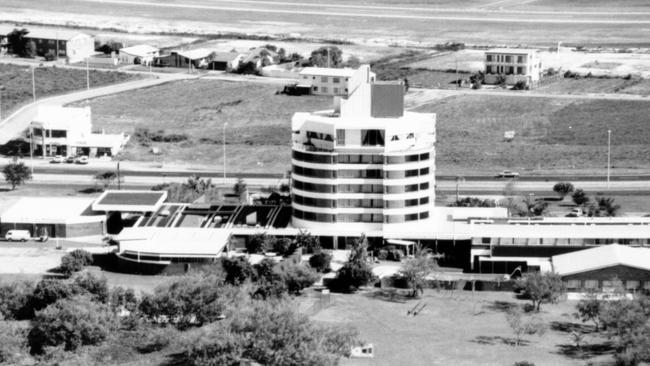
67, 131
225, 61
596, 267
141, 54
199, 58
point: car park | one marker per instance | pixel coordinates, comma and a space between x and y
17, 235
57, 159
508, 174
81, 160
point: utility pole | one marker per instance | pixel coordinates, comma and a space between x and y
33, 85
328, 57
609, 153
31, 149
87, 75
118, 176
224, 152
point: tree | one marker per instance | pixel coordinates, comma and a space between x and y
541, 288
415, 270
106, 178
589, 309
296, 276
308, 242
524, 324
563, 188
603, 207
257, 243
473, 202
48, 292
17, 41
271, 334
14, 300
12, 347
120, 298
71, 323
30, 49
16, 173
535, 208
353, 62
327, 57
75, 261
356, 272
283, 247
321, 262
580, 198
96, 287
240, 187
238, 270
626, 322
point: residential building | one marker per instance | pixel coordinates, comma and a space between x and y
199, 58
141, 54
515, 64
67, 131
335, 82
225, 61
365, 165
65, 44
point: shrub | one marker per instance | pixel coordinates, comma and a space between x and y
14, 300
563, 188
477, 85
75, 261
156, 339
308, 242
395, 255
520, 85
121, 298
12, 343
48, 292
283, 247
580, 197
382, 254
95, 286
256, 243
321, 262
296, 277
71, 323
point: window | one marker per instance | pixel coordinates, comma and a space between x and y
424, 171
489, 58
410, 136
520, 70
632, 284
508, 58
424, 186
424, 200
336, 80
573, 284
520, 59
372, 137
424, 156
340, 137
324, 89
394, 138
591, 283
315, 88
424, 215
323, 79
336, 90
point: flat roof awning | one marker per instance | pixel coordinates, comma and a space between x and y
174, 242
130, 201
400, 242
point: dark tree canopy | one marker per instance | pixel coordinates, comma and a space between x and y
327, 57
563, 188
541, 288
16, 174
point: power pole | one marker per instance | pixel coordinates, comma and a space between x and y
87, 75
118, 176
609, 153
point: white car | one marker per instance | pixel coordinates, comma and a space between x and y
17, 235
57, 159
81, 160
508, 174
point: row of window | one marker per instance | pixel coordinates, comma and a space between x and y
358, 203
38, 132
359, 173
358, 158
324, 79
594, 284
368, 218
319, 135
358, 188
508, 70
368, 138
505, 58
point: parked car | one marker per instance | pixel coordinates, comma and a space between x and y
508, 174
81, 160
57, 159
17, 235
576, 212
70, 159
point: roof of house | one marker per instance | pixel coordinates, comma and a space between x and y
141, 50
56, 33
130, 201
51, 210
57, 117
513, 51
328, 71
195, 54
175, 242
225, 56
601, 257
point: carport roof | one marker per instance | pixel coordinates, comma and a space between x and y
130, 201
601, 257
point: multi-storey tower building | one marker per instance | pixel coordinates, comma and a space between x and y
365, 164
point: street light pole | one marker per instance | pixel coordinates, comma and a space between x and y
224, 152
609, 154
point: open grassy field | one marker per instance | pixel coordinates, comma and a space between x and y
457, 329
552, 134
425, 22
257, 135
17, 83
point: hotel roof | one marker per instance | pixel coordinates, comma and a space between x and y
174, 242
328, 71
601, 257
513, 51
56, 117
130, 201
51, 210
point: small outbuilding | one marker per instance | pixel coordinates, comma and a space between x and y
142, 54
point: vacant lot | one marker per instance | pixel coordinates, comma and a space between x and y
257, 135
552, 134
17, 82
456, 329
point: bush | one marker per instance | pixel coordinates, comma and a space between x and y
95, 286
71, 323
12, 343
382, 254
238, 270
296, 277
477, 85
48, 292
256, 243
395, 255
283, 247
520, 85
156, 339
75, 261
14, 300
320, 262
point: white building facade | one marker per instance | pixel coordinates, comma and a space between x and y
515, 64
67, 131
141, 54
365, 165
335, 82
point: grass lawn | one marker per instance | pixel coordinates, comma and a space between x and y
552, 134
257, 135
458, 329
597, 86
17, 82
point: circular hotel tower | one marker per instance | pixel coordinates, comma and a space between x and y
365, 165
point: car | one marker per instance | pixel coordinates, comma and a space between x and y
508, 174
17, 235
81, 160
576, 212
57, 159
70, 159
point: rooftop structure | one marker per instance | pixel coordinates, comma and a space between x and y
130, 201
